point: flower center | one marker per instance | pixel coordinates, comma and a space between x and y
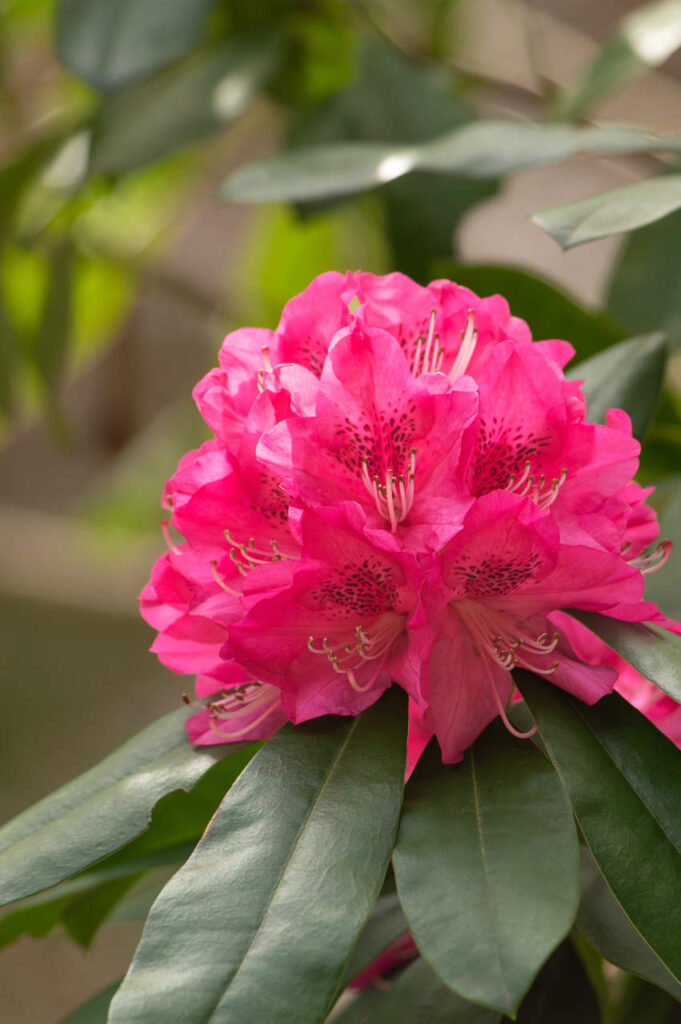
394, 498
247, 556
541, 493
505, 642
237, 705
348, 656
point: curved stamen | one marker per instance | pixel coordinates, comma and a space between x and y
347, 658
220, 582
507, 645
266, 358
541, 495
246, 556
394, 498
165, 529
469, 340
649, 563
501, 709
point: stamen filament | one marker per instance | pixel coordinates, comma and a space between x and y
469, 340
220, 582
165, 528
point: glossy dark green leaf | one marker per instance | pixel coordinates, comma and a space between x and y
101, 810
561, 993
611, 213
627, 376
418, 996
609, 759
550, 312
261, 922
484, 149
603, 922
486, 864
95, 1010
110, 42
645, 286
653, 652
149, 119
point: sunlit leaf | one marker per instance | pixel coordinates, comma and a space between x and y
484, 149
611, 213
298, 849
486, 864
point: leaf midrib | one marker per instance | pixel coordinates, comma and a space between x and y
488, 881
231, 978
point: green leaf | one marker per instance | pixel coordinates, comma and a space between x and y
646, 38
603, 922
261, 922
642, 1003
386, 924
549, 311
95, 1010
627, 376
611, 213
653, 652
486, 864
83, 902
101, 810
395, 99
149, 119
418, 996
484, 149
561, 993
110, 42
645, 286
612, 763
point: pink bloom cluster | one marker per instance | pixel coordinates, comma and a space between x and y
402, 488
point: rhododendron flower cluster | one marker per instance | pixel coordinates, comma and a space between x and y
402, 489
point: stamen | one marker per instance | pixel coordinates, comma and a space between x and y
165, 527
395, 497
469, 340
266, 358
246, 556
502, 711
220, 582
374, 644
429, 339
649, 563
541, 495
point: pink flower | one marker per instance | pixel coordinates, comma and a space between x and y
402, 488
